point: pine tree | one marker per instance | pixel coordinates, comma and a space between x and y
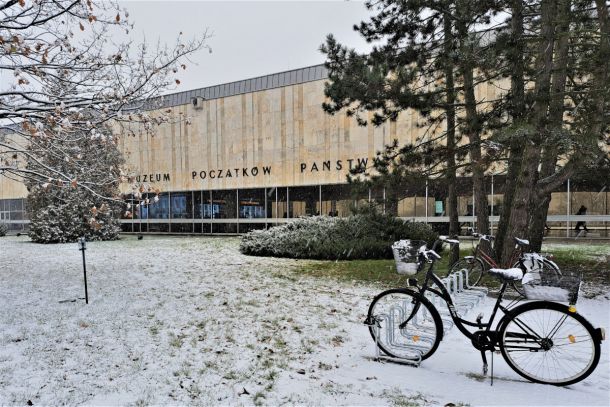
64, 211
564, 129
430, 60
550, 124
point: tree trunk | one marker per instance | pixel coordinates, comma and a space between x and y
540, 210
528, 175
517, 111
472, 125
452, 203
599, 98
556, 110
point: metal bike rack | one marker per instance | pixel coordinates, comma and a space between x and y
464, 297
415, 339
414, 361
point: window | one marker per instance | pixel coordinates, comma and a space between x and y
224, 204
160, 209
305, 201
252, 204
181, 205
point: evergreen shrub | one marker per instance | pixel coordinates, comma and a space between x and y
360, 236
3, 229
61, 212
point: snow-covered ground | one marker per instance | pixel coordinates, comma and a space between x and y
192, 321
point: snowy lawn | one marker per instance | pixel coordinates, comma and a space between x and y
192, 321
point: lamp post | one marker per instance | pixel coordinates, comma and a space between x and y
491, 227
82, 246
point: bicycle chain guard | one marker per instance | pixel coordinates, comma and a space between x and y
484, 340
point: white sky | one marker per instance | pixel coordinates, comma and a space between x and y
250, 38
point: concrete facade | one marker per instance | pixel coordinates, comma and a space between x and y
271, 132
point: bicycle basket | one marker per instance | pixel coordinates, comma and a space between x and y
564, 288
533, 262
406, 255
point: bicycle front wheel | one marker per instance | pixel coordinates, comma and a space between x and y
474, 267
404, 324
546, 343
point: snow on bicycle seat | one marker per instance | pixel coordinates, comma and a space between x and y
522, 242
513, 274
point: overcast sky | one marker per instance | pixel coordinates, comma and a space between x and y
250, 38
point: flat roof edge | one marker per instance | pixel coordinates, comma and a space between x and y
256, 84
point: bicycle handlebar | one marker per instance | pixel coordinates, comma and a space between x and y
429, 253
446, 239
481, 236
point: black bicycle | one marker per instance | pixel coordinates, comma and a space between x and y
543, 341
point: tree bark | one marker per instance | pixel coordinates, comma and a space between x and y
472, 125
528, 175
452, 203
599, 119
517, 111
555, 121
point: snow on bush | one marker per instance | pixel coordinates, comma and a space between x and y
3, 229
360, 236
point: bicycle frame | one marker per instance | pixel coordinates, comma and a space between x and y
459, 322
479, 253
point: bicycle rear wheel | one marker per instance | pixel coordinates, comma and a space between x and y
473, 265
546, 343
420, 336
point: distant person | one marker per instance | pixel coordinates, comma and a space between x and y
581, 224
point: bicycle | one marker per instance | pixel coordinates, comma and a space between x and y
543, 341
480, 261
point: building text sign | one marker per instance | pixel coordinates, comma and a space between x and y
247, 172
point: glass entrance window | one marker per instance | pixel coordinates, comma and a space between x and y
304, 201
160, 209
181, 205
252, 203
141, 210
5, 210
282, 204
202, 205
271, 202
224, 205
338, 200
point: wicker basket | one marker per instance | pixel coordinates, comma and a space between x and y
406, 255
563, 289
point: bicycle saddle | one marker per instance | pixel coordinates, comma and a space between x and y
512, 274
522, 242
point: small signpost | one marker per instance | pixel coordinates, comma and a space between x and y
82, 246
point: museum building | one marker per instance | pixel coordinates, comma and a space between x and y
259, 152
